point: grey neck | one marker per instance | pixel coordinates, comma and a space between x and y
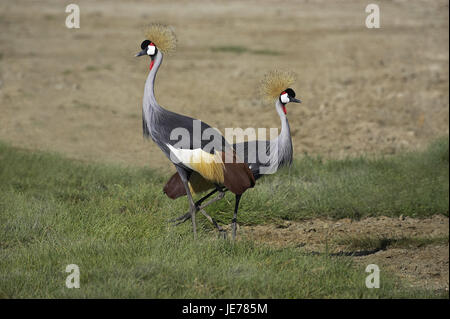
149, 102
150, 107
284, 140
284, 121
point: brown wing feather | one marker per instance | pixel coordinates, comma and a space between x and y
237, 178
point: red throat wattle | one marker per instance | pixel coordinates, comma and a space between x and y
284, 109
151, 64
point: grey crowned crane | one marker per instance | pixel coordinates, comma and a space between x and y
201, 152
278, 152
262, 157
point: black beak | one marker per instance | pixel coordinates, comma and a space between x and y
293, 99
143, 52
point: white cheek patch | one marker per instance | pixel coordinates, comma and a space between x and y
151, 50
284, 98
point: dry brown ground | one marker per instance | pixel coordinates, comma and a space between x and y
424, 265
364, 91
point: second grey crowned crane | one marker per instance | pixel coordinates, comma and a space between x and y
278, 152
202, 151
263, 157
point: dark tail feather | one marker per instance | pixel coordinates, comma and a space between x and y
174, 188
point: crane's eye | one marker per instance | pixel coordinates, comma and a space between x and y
284, 98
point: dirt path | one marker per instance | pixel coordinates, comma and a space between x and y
415, 249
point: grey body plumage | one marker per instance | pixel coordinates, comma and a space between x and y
202, 142
158, 123
278, 151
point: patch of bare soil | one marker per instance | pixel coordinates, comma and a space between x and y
414, 249
424, 267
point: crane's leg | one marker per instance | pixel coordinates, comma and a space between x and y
222, 232
219, 196
233, 224
192, 207
201, 200
186, 216
181, 219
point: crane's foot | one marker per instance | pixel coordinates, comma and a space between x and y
181, 219
222, 232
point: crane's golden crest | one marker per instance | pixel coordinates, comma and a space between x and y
274, 83
162, 36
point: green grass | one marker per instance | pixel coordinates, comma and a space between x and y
91, 68
111, 222
414, 184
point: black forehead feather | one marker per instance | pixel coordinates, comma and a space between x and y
290, 92
145, 44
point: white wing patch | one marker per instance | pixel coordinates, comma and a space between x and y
210, 166
189, 157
